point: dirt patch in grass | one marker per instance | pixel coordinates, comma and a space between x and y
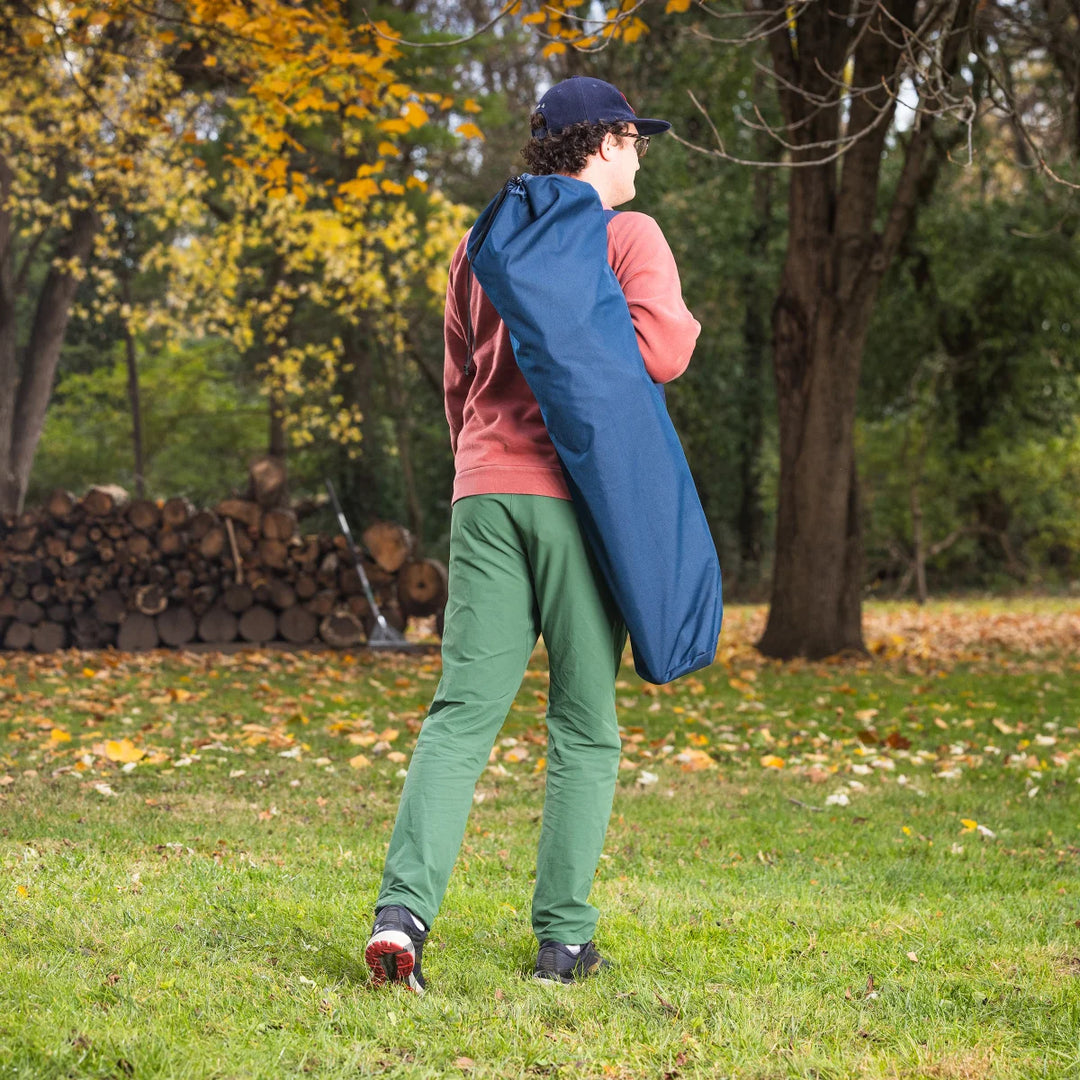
966, 1065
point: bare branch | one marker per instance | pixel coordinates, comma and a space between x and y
503, 12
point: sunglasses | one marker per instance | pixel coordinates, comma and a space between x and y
641, 144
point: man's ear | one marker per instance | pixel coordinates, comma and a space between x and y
609, 146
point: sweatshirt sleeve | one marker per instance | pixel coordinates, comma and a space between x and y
645, 267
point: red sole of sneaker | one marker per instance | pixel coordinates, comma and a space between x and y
388, 963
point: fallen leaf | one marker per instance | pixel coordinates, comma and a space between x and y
360, 761
694, 760
123, 750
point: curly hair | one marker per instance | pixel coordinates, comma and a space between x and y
568, 151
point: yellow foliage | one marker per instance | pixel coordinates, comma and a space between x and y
469, 131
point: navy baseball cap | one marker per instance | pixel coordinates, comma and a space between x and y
583, 100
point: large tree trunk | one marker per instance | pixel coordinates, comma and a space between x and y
9, 364
26, 386
834, 264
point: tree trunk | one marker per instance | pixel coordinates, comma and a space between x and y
25, 388
835, 260
10, 500
133, 393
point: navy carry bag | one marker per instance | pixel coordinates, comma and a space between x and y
539, 251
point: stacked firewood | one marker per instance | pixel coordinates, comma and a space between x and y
107, 570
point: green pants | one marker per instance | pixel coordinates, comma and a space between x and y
519, 567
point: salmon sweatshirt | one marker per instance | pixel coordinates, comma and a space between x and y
500, 444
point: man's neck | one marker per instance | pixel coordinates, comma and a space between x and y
594, 174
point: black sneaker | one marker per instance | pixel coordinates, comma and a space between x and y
394, 949
557, 963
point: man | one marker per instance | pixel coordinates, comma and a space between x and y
519, 567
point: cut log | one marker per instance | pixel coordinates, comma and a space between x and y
322, 603
306, 553
214, 542
150, 599
144, 514
201, 523
281, 594
279, 525
56, 545
89, 632
18, 635
109, 607
23, 540
258, 624
202, 598
138, 546
422, 587
176, 513
238, 597
342, 629
268, 481
60, 505
49, 637
248, 514
102, 500
29, 612
328, 569
176, 626
171, 543
298, 625
138, 633
218, 625
306, 586
273, 554
391, 545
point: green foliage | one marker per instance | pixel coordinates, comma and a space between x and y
971, 392
200, 427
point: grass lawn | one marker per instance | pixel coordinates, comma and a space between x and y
850, 869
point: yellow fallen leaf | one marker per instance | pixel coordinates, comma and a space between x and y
694, 760
22, 890
396, 756
541, 765
515, 754
123, 750
771, 761
360, 761
969, 825
59, 735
